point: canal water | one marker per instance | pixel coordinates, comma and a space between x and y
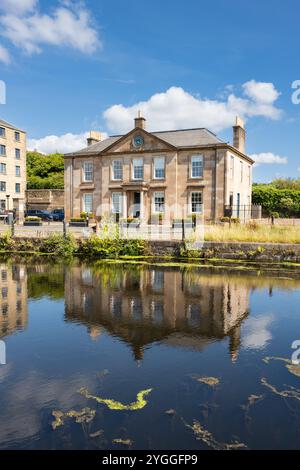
120, 356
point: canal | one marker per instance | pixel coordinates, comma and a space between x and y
120, 356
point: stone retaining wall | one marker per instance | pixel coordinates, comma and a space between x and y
232, 250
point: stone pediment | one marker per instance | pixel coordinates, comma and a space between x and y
138, 141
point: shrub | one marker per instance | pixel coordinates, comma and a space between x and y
225, 219
84, 215
33, 219
97, 247
78, 219
284, 201
6, 242
57, 244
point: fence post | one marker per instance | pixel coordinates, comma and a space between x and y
183, 230
64, 229
12, 228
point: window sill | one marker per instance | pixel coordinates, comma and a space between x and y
87, 185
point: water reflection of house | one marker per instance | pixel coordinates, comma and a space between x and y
143, 306
13, 298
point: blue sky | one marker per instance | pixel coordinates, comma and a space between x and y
67, 64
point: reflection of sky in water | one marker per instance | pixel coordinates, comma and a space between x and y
257, 332
157, 328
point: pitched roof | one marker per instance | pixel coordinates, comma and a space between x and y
10, 126
189, 137
178, 138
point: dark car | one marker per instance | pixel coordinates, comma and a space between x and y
42, 214
58, 214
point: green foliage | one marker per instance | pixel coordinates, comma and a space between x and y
78, 219
45, 171
56, 244
33, 219
6, 242
287, 183
284, 201
97, 247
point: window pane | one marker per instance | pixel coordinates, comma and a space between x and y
18, 171
117, 170
3, 168
138, 172
159, 202
88, 203
197, 166
18, 188
159, 167
17, 153
196, 200
2, 132
88, 171
17, 136
2, 150
116, 203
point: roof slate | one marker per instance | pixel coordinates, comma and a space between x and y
178, 138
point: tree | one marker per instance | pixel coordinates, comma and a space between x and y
45, 171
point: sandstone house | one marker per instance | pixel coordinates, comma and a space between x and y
159, 175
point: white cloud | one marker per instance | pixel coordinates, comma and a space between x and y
4, 55
269, 158
177, 108
261, 92
17, 7
71, 27
62, 144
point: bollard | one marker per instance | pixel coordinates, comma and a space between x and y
64, 229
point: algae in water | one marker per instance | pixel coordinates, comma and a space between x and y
140, 402
83, 416
292, 368
291, 393
211, 381
205, 436
125, 442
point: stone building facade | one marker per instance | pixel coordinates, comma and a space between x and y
12, 168
45, 199
170, 175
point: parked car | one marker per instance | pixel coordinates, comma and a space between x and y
58, 214
43, 214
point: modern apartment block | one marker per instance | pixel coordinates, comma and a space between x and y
12, 168
171, 174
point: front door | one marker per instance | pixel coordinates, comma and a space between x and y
137, 204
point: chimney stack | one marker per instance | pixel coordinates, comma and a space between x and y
94, 137
140, 121
239, 135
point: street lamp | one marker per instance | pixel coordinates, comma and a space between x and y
7, 201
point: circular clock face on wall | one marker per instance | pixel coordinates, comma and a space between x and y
138, 141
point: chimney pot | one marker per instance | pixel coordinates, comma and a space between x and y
94, 137
239, 135
140, 121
